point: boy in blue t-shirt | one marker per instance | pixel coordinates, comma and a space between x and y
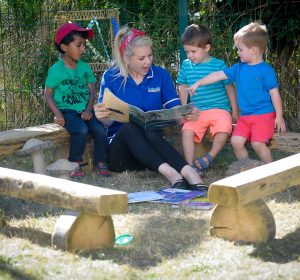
214, 101
70, 94
257, 93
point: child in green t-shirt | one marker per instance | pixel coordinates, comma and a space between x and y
70, 94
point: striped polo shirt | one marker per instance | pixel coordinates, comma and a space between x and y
207, 97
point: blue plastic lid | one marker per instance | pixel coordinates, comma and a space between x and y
123, 239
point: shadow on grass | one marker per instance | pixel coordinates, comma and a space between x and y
7, 271
162, 237
34, 236
280, 250
19, 208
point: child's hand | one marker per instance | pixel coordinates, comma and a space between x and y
235, 116
86, 115
59, 119
191, 90
280, 124
101, 111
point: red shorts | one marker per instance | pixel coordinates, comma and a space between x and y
217, 120
255, 128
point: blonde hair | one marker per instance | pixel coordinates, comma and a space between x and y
254, 34
138, 41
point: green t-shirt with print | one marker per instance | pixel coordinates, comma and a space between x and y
70, 90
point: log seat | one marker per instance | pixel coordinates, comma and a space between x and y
88, 226
241, 214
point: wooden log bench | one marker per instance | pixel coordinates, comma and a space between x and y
88, 226
241, 213
13, 140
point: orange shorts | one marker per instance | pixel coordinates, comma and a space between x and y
255, 128
217, 120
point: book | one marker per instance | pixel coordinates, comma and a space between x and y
143, 196
124, 112
177, 196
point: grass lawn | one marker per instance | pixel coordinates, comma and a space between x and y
169, 243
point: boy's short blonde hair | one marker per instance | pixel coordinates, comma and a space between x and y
253, 35
198, 36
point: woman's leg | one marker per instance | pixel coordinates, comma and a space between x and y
173, 158
134, 149
130, 150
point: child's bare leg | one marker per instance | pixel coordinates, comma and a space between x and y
218, 144
262, 151
188, 145
238, 145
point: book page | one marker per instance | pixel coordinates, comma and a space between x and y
119, 109
167, 117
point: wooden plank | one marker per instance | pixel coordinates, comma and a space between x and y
13, 140
62, 193
256, 183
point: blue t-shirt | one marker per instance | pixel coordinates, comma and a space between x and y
155, 92
213, 96
253, 83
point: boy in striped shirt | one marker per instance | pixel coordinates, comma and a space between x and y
216, 102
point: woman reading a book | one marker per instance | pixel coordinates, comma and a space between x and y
136, 81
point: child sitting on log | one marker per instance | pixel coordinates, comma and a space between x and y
70, 94
217, 103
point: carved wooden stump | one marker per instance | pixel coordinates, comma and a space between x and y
241, 213
77, 231
253, 222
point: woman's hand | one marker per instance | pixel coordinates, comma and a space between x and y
192, 116
101, 111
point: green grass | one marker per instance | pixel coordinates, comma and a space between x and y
168, 243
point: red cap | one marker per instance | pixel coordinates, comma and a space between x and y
65, 29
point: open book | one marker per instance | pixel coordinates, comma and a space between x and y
124, 112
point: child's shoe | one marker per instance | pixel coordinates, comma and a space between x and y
78, 174
102, 169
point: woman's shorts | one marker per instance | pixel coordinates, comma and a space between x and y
256, 128
217, 120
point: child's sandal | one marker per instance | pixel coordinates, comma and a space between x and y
200, 165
